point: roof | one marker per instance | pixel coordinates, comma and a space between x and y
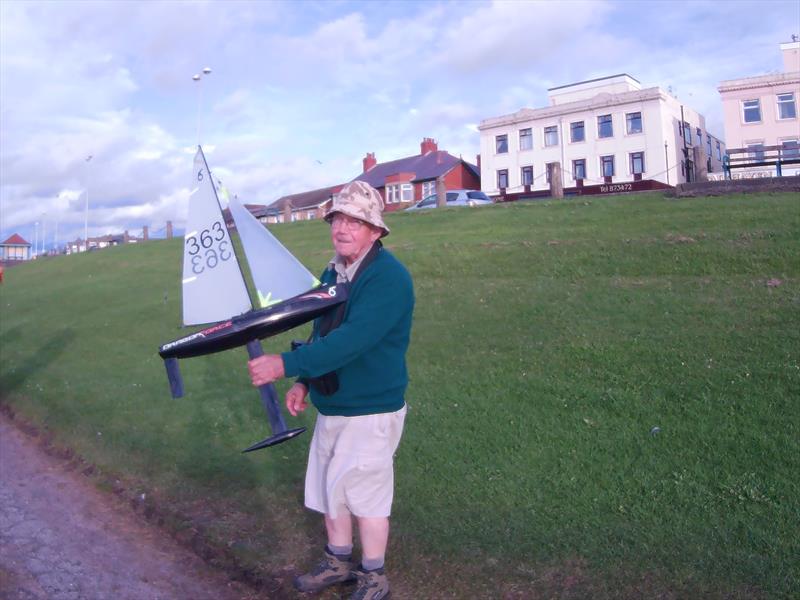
601, 100
15, 240
306, 200
569, 85
257, 210
424, 166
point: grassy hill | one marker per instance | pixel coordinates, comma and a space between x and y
603, 400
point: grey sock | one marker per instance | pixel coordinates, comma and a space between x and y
341, 551
370, 564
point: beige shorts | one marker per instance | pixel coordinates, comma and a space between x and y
351, 464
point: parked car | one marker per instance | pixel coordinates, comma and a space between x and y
454, 198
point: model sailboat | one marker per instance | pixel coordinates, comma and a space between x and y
215, 293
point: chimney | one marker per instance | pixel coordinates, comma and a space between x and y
427, 145
126, 238
369, 161
145, 233
169, 230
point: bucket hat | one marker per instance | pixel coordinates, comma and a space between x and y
359, 200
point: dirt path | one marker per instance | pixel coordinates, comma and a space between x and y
62, 539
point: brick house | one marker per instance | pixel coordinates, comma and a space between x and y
15, 249
404, 181
300, 207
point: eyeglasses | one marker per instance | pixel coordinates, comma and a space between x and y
343, 221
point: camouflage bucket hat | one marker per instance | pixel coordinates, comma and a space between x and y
359, 200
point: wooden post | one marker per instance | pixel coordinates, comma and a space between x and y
287, 212
169, 230
556, 187
441, 193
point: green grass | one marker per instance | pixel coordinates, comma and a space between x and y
549, 340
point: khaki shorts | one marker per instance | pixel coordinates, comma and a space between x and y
351, 464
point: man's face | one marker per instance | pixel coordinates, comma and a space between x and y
352, 237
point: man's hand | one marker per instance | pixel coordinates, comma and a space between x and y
296, 399
266, 369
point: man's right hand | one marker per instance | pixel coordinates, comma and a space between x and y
296, 399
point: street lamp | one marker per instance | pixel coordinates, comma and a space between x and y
35, 238
44, 234
198, 77
86, 213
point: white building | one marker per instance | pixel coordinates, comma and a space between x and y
603, 131
761, 112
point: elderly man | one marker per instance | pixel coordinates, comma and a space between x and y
355, 371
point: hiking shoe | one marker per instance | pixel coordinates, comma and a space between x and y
329, 571
372, 585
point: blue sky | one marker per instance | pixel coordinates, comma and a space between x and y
300, 91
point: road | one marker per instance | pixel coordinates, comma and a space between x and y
63, 539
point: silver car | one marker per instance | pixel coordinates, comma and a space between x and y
454, 198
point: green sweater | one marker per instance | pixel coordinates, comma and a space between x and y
368, 349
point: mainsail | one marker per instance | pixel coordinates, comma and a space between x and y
277, 274
213, 285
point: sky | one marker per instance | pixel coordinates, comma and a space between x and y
300, 91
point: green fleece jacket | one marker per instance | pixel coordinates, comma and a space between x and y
368, 349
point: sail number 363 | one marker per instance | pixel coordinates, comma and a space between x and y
208, 249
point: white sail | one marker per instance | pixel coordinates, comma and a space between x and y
277, 274
213, 285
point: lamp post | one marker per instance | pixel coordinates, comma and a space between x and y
198, 78
44, 234
86, 212
35, 238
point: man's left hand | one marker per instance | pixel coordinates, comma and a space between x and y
266, 369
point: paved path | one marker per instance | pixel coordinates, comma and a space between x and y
62, 539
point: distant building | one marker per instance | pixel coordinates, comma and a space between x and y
400, 182
404, 181
300, 207
604, 132
15, 248
761, 111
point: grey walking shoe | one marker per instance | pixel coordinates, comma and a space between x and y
372, 585
329, 571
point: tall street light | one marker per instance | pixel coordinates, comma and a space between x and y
198, 77
44, 234
86, 212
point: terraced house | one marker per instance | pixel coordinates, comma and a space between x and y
607, 132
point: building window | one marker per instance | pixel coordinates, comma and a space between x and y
607, 164
502, 179
790, 149
576, 132
579, 168
501, 144
310, 215
428, 188
401, 192
525, 139
605, 127
786, 106
719, 151
551, 136
527, 175
708, 144
687, 133
637, 163
752, 111
634, 122
756, 151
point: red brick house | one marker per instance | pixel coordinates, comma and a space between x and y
300, 207
15, 248
405, 181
